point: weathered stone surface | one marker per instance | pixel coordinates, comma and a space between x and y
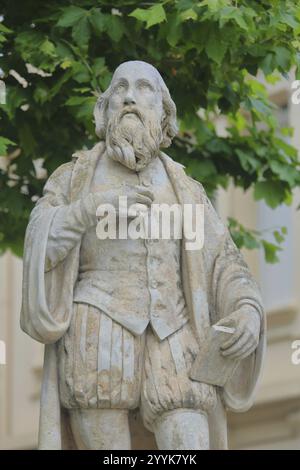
124, 319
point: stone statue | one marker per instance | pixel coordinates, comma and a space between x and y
123, 320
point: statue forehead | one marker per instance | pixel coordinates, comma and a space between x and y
136, 69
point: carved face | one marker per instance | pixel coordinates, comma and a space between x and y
135, 114
136, 90
135, 84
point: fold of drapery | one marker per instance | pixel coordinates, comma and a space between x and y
218, 282
47, 294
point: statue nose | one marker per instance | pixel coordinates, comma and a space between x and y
129, 99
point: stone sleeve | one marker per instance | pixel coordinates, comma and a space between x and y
68, 225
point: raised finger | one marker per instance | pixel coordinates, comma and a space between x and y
144, 192
143, 199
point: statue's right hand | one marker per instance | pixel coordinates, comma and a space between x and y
136, 195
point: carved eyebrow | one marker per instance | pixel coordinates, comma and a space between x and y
144, 81
121, 81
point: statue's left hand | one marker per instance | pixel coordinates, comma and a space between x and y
244, 340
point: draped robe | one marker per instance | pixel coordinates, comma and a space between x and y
216, 282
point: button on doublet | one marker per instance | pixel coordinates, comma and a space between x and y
146, 181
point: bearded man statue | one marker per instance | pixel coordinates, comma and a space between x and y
124, 319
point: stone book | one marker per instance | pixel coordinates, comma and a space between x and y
210, 365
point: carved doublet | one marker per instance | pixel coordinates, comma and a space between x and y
134, 281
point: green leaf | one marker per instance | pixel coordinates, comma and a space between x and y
241, 236
76, 100
114, 27
289, 19
271, 191
15, 97
64, 51
83, 106
260, 107
4, 143
5, 29
213, 5
80, 73
70, 16
287, 148
104, 80
278, 236
234, 14
283, 57
99, 66
285, 172
248, 161
201, 169
98, 21
152, 16
174, 29
66, 64
189, 14
270, 251
215, 49
287, 131
60, 82
250, 241
81, 32
48, 48
268, 63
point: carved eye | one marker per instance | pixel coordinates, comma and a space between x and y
144, 86
119, 88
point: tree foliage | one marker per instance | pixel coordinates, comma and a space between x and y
57, 56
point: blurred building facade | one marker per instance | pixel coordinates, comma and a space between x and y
274, 420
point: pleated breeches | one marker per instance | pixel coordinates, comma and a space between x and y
103, 365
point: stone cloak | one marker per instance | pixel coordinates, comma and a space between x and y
216, 282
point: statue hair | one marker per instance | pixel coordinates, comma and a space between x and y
169, 124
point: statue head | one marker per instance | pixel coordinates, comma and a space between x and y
136, 115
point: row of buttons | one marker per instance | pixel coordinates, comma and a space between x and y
147, 181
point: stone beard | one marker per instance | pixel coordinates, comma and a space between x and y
133, 137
